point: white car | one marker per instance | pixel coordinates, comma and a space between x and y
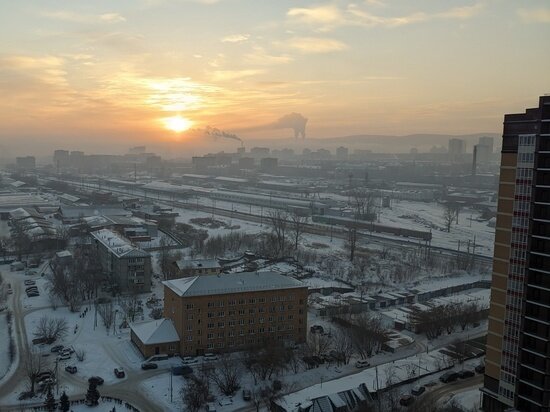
362, 363
64, 356
210, 357
189, 360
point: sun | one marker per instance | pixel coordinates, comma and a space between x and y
177, 123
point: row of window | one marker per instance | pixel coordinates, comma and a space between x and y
250, 301
232, 343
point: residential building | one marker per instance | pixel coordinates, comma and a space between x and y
155, 337
229, 312
127, 267
195, 267
488, 142
25, 163
457, 148
518, 350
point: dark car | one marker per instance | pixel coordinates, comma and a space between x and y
119, 373
56, 348
247, 395
466, 373
418, 390
25, 395
480, 368
182, 371
448, 377
406, 400
149, 365
71, 369
96, 379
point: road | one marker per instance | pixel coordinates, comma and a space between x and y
433, 396
125, 389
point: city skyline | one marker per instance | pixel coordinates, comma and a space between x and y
112, 74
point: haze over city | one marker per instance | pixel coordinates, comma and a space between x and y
253, 206
159, 72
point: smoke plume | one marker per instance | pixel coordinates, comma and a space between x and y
294, 121
212, 131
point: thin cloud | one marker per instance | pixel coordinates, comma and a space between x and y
540, 15
316, 45
224, 75
328, 17
259, 56
236, 38
70, 16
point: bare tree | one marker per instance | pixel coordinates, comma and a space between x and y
363, 202
343, 345
195, 394
352, 241
297, 228
448, 215
107, 312
33, 366
279, 228
51, 329
368, 334
227, 375
318, 343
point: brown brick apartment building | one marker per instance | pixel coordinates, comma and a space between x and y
229, 312
518, 349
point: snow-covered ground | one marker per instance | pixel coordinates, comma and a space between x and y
4, 345
469, 400
429, 216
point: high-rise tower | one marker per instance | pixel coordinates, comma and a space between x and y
517, 373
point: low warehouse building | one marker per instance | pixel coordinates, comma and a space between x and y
155, 337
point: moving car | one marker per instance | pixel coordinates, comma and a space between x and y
406, 400
56, 348
71, 369
149, 365
96, 379
418, 390
466, 373
119, 373
362, 363
480, 368
447, 377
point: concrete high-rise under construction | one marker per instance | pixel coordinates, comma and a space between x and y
517, 374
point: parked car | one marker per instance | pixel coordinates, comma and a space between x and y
182, 371
29, 282
71, 369
39, 341
316, 329
56, 348
448, 377
362, 363
119, 373
189, 360
96, 379
210, 357
32, 294
480, 368
149, 365
247, 395
418, 390
31, 289
25, 395
68, 350
64, 356
406, 400
211, 407
466, 373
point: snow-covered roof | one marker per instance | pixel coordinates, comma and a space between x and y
155, 331
117, 244
198, 264
231, 283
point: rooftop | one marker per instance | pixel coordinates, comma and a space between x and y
231, 283
117, 244
198, 264
156, 331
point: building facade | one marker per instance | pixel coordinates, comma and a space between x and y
230, 312
518, 349
127, 267
195, 267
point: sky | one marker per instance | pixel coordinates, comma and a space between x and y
117, 73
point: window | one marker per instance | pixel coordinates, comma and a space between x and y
190, 306
210, 336
210, 304
220, 345
210, 314
241, 321
241, 311
189, 316
251, 311
221, 324
282, 308
210, 346
251, 321
231, 323
290, 317
251, 301
189, 338
221, 314
241, 301
221, 335
189, 328
231, 313
271, 318
281, 318
231, 333
210, 325
241, 332
261, 320
171, 348
261, 330
261, 310
251, 331
232, 302
261, 300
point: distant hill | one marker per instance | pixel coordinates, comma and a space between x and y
375, 143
